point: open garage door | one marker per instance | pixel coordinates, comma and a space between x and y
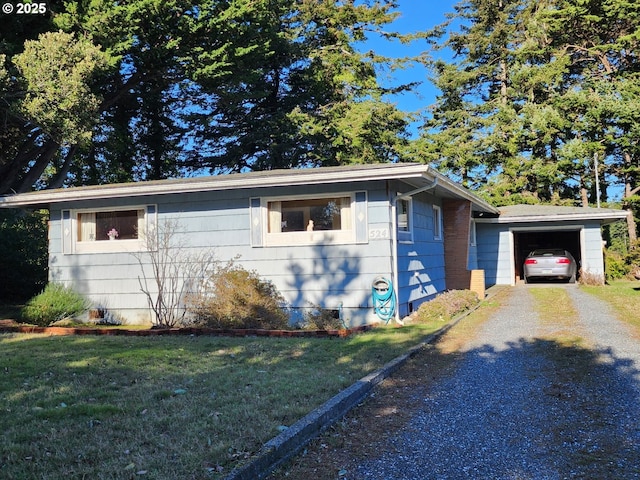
526, 240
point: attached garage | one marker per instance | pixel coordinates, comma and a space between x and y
526, 239
504, 240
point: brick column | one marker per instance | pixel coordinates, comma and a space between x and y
456, 220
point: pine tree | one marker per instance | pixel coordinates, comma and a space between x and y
535, 92
171, 87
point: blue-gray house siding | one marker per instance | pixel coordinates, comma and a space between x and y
420, 260
230, 223
403, 222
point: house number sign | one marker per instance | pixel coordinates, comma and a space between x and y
378, 233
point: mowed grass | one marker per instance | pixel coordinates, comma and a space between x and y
559, 323
576, 374
167, 407
624, 298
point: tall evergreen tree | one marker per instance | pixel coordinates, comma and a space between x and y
173, 87
294, 90
537, 91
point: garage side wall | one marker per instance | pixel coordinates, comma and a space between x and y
494, 254
593, 257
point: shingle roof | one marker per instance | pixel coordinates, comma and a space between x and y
413, 173
537, 213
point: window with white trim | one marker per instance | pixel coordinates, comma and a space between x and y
404, 219
108, 230
437, 222
472, 233
309, 220
110, 225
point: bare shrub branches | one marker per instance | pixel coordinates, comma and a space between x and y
170, 272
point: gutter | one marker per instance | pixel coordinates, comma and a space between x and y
610, 215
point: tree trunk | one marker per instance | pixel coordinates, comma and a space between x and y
631, 227
584, 196
32, 176
62, 174
628, 192
504, 77
10, 173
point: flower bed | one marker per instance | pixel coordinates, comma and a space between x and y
7, 326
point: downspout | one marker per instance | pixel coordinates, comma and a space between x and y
394, 253
394, 237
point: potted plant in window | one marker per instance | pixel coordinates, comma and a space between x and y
112, 234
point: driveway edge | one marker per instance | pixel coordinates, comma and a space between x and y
287, 444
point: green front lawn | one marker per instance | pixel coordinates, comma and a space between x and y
167, 407
623, 296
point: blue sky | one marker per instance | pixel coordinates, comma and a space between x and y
415, 15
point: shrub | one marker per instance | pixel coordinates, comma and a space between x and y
169, 270
238, 298
54, 303
632, 259
622, 264
318, 318
446, 306
615, 265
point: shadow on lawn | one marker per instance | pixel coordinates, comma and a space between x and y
195, 407
558, 409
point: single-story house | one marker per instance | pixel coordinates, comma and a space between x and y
323, 236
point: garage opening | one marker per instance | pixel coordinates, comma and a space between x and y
525, 241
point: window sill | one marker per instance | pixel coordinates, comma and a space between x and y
405, 237
110, 246
290, 239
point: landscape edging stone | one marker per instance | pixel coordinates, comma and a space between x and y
288, 443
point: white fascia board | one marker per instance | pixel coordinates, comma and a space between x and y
556, 218
216, 183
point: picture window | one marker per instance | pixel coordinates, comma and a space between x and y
104, 226
106, 230
309, 220
318, 214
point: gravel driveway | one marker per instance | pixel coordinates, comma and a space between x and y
508, 413
521, 405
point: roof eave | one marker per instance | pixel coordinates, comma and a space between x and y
605, 217
463, 193
217, 183
286, 178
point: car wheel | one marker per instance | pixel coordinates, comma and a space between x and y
572, 279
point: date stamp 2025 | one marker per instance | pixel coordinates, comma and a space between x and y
36, 8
